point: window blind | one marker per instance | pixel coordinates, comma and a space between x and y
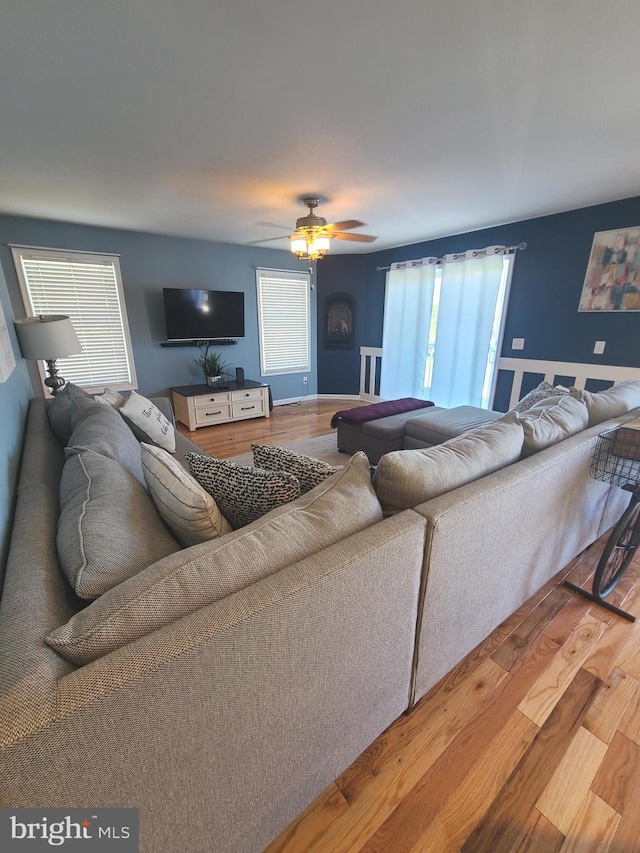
284, 322
88, 289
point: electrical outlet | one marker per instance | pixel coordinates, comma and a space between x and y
517, 343
305, 380
598, 349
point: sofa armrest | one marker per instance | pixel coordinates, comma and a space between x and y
244, 710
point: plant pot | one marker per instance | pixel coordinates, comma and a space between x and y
214, 380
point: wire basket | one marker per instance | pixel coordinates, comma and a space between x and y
616, 458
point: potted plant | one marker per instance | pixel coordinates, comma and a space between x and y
211, 364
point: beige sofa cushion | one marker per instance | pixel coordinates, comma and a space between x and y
550, 421
610, 403
108, 527
202, 574
406, 478
189, 510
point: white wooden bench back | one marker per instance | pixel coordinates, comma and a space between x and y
371, 359
579, 373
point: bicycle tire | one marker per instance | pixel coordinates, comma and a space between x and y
618, 552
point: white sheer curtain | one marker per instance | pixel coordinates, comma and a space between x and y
469, 295
407, 313
449, 310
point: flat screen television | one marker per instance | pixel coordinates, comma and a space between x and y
203, 314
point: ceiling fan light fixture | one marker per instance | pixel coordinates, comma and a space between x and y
310, 246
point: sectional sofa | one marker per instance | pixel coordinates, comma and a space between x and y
224, 686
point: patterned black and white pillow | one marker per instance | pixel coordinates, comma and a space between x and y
242, 493
537, 395
308, 471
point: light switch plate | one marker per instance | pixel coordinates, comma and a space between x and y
517, 343
599, 347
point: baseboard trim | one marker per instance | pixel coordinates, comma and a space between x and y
289, 400
337, 396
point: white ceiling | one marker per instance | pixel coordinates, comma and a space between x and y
202, 118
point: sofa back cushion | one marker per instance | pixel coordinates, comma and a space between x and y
100, 428
108, 528
184, 582
406, 478
610, 403
550, 421
62, 411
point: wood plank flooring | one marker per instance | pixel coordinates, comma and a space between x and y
288, 423
532, 743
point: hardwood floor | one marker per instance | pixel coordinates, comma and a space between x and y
532, 743
286, 424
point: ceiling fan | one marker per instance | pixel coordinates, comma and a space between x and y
311, 238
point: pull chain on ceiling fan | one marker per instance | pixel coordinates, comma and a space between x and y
312, 237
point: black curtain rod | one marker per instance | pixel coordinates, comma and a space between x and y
508, 250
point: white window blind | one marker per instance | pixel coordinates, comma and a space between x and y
88, 289
284, 321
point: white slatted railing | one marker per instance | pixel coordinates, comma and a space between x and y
578, 373
370, 361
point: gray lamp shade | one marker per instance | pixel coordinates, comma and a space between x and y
47, 337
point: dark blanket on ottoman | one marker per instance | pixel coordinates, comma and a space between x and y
362, 414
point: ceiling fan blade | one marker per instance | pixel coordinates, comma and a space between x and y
357, 238
267, 240
273, 225
346, 225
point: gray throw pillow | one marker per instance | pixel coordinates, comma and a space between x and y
62, 411
242, 493
187, 581
308, 471
108, 528
101, 428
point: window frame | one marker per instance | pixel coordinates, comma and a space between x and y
304, 278
78, 257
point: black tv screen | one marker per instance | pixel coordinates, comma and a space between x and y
201, 314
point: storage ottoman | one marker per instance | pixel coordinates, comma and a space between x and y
375, 437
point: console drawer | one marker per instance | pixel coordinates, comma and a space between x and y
251, 408
213, 413
213, 399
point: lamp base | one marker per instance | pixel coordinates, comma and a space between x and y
54, 381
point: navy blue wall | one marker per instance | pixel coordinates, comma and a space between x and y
545, 292
149, 262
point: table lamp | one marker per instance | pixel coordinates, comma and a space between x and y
46, 338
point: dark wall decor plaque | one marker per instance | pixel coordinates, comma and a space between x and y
339, 321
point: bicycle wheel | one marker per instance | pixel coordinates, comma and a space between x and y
618, 552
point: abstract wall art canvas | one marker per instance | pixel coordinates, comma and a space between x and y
612, 282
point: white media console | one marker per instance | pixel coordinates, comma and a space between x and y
202, 405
